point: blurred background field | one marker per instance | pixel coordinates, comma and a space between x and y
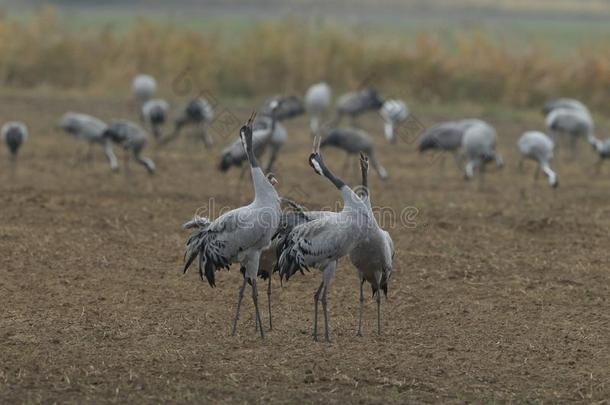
518, 53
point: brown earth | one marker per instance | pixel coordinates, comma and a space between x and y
499, 294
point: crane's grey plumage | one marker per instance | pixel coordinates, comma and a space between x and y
267, 133
287, 107
318, 99
565, 103
13, 134
354, 141
446, 137
574, 123
197, 112
479, 147
322, 242
144, 88
539, 147
356, 103
89, 129
393, 112
239, 235
133, 139
372, 255
155, 112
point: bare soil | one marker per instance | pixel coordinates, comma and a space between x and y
500, 293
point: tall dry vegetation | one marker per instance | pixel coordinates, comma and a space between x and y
288, 56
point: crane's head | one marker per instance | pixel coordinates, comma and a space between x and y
364, 162
315, 159
245, 132
272, 179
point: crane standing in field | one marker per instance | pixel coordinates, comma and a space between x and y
565, 103
286, 107
446, 137
353, 141
372, 256
91, 130
479, 144
322, 242
239, 235
155, 112
393, 112
197, 112
538, 146
14, 134
267, 131
317, 102
133, 139
144, 88
357, 103
575, 123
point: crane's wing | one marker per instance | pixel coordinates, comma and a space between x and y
218, 243
315, 242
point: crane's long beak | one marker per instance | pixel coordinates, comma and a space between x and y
251, 119
316, 144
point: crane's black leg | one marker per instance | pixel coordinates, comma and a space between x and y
239, 299
598, 165
269, 301
378, 298
325, 309
537, 173
316, 298
361, 307
205, 136
256, 309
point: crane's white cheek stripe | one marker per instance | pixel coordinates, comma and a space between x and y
316, 166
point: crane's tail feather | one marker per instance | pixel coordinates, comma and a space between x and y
198, 246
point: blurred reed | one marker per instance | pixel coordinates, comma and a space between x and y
287, 56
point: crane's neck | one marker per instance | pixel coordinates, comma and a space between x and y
330, 176
264, 192
250, 152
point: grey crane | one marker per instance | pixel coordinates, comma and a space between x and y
393, 112
197, 112
356, 103
144, 88
155, 112
539, 147
318, 99
322, 242
286, 107
567, 103
13, 134
574, 123
446, 137
372, 255
133, 139
267, 132
479, 147
89, 129
238, 236
353, 141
